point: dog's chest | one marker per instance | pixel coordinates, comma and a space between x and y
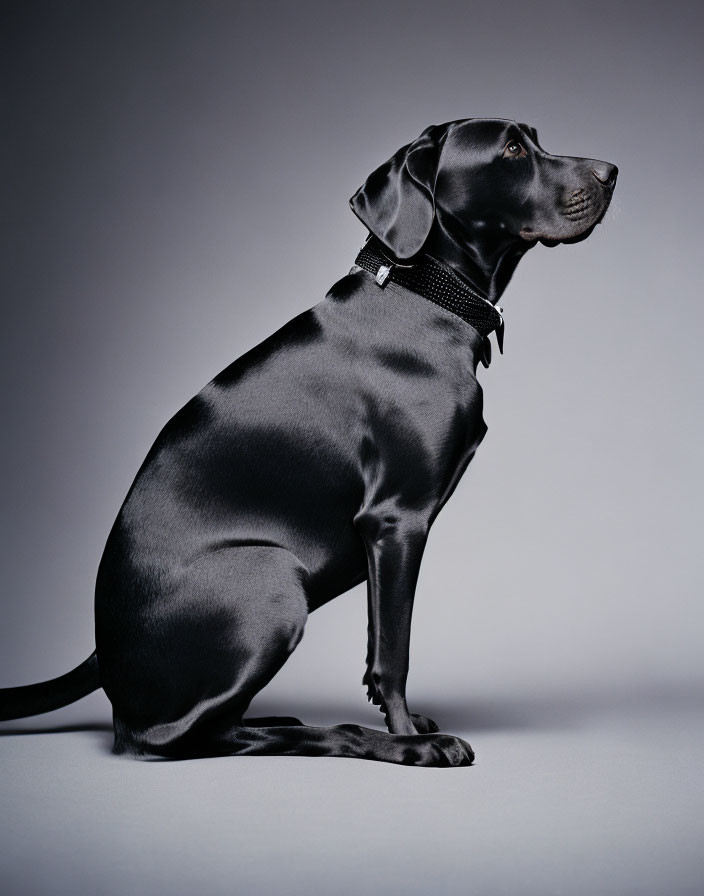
418, 435
407, 369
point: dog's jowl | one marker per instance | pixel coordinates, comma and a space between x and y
319, 460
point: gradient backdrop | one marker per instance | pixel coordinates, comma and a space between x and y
175, 186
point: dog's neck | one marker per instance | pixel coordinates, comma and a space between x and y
441, 285
479, 255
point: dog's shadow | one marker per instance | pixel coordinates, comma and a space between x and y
101, 731
544, 712
535, 712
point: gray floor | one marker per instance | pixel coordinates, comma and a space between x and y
572, 793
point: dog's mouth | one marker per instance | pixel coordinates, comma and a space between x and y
532, 236
568, 240
551, 240
580, 213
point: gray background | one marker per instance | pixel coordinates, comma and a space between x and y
175, 185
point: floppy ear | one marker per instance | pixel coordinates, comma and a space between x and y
397, 201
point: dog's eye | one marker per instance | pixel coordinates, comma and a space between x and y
514, 150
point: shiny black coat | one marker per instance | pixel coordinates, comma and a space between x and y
356, 417
318, 460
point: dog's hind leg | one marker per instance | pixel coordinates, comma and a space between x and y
271, 722
347, 741
210, 643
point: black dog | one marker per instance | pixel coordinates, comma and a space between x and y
319, 460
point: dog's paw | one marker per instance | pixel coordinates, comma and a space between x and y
424, 725
444, 751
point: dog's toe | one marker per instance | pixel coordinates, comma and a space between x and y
451, 751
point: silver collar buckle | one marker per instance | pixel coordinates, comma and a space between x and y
382, 275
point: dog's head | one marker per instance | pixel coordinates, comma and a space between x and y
485, 179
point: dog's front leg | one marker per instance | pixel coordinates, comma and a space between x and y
394, 553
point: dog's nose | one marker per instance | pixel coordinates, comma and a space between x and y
605, 173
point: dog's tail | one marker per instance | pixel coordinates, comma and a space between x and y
33, 699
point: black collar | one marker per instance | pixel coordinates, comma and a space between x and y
439, 284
